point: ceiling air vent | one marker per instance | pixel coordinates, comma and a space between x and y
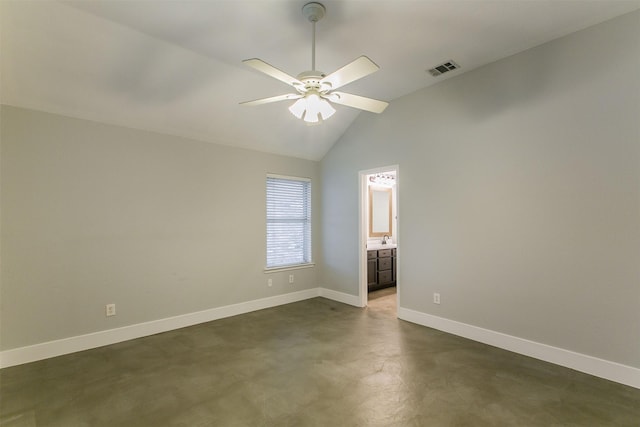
443, 68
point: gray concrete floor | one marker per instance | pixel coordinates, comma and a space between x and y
311, 363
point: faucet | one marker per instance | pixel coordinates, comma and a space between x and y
384, 239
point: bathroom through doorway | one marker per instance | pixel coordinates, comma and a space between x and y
379, 238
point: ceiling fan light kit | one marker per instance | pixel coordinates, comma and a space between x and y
312, 108
315, 90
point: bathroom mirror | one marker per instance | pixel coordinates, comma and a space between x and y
379, 211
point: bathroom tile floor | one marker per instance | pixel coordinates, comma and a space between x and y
311, 363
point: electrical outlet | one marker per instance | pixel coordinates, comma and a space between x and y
291, 278
436, 298
110, 309
270, 282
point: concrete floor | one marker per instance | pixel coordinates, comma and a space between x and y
311, 363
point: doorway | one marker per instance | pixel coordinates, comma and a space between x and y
379, 236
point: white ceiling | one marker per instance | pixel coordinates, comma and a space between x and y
175, 66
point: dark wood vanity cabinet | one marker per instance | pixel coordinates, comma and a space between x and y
381, 268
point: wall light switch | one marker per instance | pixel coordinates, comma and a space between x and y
270, 282
436, 298
291, 278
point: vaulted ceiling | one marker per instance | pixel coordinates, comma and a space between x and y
175, 66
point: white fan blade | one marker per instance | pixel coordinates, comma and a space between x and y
355, 70
355, 101
272, 71
272, 99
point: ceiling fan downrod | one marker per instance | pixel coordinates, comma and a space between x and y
314, 12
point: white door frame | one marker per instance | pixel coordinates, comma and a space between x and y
364, 233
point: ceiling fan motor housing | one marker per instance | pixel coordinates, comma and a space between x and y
313, 80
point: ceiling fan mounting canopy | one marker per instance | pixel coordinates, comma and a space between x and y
313, 11
314, 88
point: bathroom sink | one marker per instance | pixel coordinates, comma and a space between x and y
378, 246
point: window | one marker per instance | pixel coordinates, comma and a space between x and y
288, 221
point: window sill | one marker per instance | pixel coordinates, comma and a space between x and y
288, 267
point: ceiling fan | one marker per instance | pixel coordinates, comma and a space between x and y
315, 91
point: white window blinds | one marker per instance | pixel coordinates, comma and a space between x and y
288, 221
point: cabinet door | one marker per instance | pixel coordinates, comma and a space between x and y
372, 278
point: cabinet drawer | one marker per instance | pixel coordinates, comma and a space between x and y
372, 254
384, 277
384, 253
393, 252
384, 264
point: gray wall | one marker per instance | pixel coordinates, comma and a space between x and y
519, 194
159, 225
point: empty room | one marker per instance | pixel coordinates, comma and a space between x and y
333, 213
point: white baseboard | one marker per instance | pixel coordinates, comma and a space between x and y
18, 356
340, 297
580, 362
